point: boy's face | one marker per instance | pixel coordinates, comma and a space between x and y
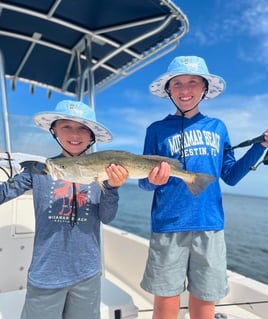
73, 136
187, 91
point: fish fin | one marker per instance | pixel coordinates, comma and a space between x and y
170, 160
100, 183
32, 166
199, 183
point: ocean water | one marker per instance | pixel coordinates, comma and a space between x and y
246, 227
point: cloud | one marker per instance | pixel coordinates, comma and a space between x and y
26, 138
244, 116
255, 17
244, 20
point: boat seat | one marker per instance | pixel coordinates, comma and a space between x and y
115, 303
16, 242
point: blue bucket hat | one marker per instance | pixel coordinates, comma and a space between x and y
74, 111
188, 65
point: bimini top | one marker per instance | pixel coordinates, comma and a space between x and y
63, 45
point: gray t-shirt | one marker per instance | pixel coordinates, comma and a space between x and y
64, 254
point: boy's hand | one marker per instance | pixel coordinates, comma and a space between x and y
265, 144
117, 175
160, 176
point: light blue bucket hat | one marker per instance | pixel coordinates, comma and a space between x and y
188, 65
74, 111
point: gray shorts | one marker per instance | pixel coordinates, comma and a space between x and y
195, 259
79, 301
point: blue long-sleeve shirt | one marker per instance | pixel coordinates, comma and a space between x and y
206, 139
64, 255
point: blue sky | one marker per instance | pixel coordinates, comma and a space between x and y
232, 36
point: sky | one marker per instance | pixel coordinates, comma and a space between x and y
232, 36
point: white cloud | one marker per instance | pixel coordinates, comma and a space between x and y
255, 17
244, 116
232, 21
26, 138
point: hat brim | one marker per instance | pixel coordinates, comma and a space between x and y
44, 121
216, 84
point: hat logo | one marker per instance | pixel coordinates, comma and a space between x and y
75, 111
194, 66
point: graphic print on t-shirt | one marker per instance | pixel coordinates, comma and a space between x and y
196, 143
62, 202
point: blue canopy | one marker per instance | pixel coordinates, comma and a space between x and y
80, 47
65, 45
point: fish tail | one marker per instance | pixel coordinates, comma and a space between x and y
199, 183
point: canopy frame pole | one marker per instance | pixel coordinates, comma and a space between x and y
88, 76
3, 92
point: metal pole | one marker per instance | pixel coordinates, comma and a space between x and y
4, 104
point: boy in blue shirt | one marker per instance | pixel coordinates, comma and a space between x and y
187, 239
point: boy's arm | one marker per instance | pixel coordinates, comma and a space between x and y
108, 203
233, 171
19, 184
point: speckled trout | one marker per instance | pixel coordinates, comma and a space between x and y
91, 167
